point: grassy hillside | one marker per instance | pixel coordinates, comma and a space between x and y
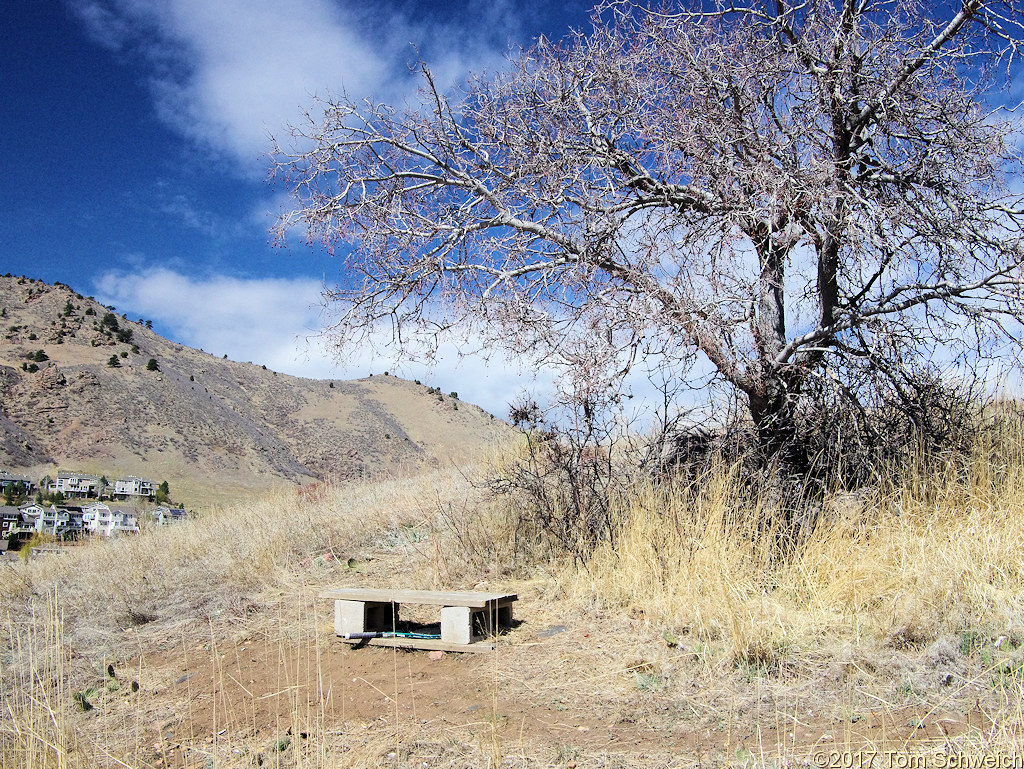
897, 626
215, 429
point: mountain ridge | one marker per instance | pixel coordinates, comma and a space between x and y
92, 400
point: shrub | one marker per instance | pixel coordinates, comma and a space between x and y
113, 362
151, 365
566, 481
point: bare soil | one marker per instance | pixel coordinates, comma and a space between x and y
564, 688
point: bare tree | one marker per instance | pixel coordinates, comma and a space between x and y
785, 192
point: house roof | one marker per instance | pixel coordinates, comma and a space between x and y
81, 476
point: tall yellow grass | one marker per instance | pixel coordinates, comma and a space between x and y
942, 553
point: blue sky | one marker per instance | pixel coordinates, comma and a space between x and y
134, 135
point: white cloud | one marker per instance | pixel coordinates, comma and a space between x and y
230, 73
274, 322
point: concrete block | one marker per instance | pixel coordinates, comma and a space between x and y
457, 624
363, 616
349, 617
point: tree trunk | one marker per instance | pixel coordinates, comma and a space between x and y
774, 417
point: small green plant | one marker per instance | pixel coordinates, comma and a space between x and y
82, 701
113, 362
566, 754
971, 641
152, 365
649, 681
1009, 675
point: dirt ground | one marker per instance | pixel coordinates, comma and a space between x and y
568, 688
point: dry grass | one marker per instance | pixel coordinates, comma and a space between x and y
898, 566
689, 630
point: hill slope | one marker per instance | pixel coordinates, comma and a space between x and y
212, 427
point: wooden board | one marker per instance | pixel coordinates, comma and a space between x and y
473, 600
427, 644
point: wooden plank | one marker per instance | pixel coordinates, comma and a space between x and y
427, 644
473, 600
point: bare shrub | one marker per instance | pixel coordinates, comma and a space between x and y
567, 475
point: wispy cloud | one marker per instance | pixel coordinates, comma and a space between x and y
230, 73
275, 322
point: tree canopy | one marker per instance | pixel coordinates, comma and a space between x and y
783, 194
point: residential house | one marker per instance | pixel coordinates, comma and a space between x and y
63, 522
167, 516
74, 525
72, 484
12, 482
134, 487
10, 523
99, 519
30, 514
52, 520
